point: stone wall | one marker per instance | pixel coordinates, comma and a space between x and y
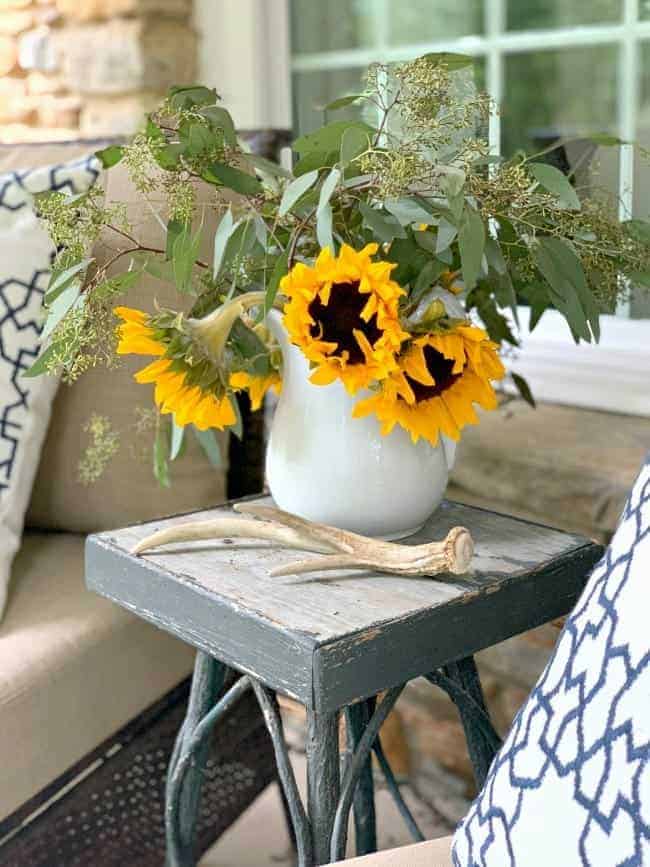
89, 68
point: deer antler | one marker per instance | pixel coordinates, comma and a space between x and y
344, 550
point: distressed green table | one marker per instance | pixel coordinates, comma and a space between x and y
334, 642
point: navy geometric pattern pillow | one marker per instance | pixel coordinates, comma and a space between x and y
26, 254
571, 784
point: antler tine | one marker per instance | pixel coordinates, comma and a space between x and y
337, 540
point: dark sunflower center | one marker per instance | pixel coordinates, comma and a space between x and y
440, 369
335, 321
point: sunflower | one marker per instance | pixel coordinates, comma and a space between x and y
256, 386
190, 403
440, 377
343, 314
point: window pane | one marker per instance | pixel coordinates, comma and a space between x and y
433, 20
644, 9
332, 25
313, 90
640, 302
545, 97
541, 14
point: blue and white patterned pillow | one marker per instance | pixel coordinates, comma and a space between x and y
571, 784
26, 254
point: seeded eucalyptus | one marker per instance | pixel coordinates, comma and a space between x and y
409, 187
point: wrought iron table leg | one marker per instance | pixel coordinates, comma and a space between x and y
460, 680
365, 826
207, 681
323, 779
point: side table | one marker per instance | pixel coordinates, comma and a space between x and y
334, 642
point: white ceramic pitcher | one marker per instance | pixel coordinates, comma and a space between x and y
327, 466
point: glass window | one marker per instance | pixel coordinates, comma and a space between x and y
332, 25
542, 103
548, 14
314, 90
433, 20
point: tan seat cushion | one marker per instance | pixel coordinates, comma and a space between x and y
565, 466
73, 667
127, 492
433, 853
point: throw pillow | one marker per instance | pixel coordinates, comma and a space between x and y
25, 258
571, 784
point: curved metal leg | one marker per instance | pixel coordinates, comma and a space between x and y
356, 765
184, 781
461, 682
365, 825
269, 707
394, 789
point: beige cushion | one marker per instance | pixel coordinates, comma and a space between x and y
73, 667
433, 853
566, 466
128, 491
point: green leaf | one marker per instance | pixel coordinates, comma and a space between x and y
261, 232
570, 292
248, 346
315, 160
234, 179
60, 307
638, 230
446, 235
239, 244
329, 137
210, 445
555, 182
295, 190
238, 427
354, 142
178, 434
280, 268
538, 297
343, 101
385, 228
496, 324
640, 278
452, 61
224, 230
471, 242
160, 452
267, 167
40, 365
524, 389
191, 96
606, 140
199, 139
174, 229
221, 119
324, 210
110, 156
184, 252
408, 211
60, 280
428, 275
410, 260
168, 157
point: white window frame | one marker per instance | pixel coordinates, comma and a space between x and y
255, 81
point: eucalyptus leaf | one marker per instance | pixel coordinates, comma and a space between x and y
191, 96
238, 428
471, 242
40, 365
408, 211
174, 229
184, 253
178, 433
315, 160
385, 228
60, 307
110, 156
296, 190
324, 210
208, 441
343, 101
60, 280
452, 61
280, 268
329, 137
234, 179
355, 141
524, 389
219, 117
555, 182
446, 235
267, 167
224, 230
261, 232
160, 452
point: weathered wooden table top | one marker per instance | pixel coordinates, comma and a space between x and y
328, 639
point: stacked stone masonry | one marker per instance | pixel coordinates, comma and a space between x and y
89, 68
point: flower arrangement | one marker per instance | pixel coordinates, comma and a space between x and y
396, 247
